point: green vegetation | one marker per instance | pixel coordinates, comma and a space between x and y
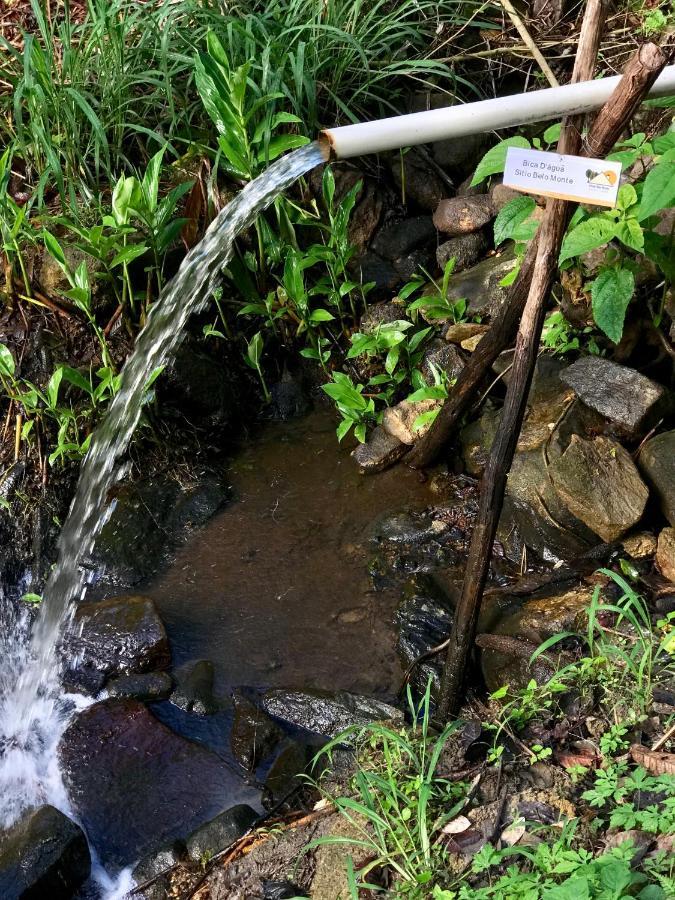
408, 800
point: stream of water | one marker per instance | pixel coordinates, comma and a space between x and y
33, 710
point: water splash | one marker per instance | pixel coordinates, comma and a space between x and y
33, 712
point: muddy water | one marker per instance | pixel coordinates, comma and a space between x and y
275, 589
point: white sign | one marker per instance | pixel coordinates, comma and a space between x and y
567, 177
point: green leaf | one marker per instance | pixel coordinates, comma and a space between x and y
7, 365
588, 235
552, 133
124, 199
280, 144
53, 386
658, 191
626, 197
630, 233
495, 159
320, 315
72, 376
611, 293
55, 250
128, 254
511, 216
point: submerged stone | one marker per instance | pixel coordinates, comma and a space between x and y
254, 735
194, 688
136, 785
325, 713
148, 687
43, 856
598, 482
627, 399
657, 462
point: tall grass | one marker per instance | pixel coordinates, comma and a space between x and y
79, 103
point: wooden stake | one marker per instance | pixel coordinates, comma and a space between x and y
640, 74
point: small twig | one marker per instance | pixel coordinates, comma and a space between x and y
527, 38
17, 436
664, 737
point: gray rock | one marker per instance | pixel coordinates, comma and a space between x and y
460, 154
148, 688
480, 286
665, 553
194, 688
443, 356
115, 637
380, 272
417, 180
629, 400
43, 855
135, 785
500, 195
220, 832
324, 713
462, 215
254, 735
155, 868
598, 482
423, 619
283, 776
466, 249
396, 241
380, 451
657, 462
476, 439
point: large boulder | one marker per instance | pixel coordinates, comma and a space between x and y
136, 785
43, 856
657, 462
480, 285
324, 713
631, 402
112, 637
598, 482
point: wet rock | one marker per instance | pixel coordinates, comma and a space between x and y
324, 713
415, 542
43, 855
154, 868
148, 688
463, 330
194, 688
466, 250
204, 390
416, 180
156, 515
657, 463
631, 402
142, 786
665, 553
533, 507
289, 399
380, 451
283, 776
444, 357
462, 215
399, 421
115, 637
476, 440
537, 619
254, 735
221, 831
480, 286
423, 619
397, 241
600, 485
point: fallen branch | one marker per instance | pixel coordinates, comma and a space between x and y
529, 42
640, 74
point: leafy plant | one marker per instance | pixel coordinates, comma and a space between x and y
357, 410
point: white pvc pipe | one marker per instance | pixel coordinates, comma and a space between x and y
473, 118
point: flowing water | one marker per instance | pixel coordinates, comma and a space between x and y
33, 711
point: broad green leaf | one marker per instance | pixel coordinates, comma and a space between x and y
320, 315
611, 293
150, 183
626, 197
7, 365
280, 144
588, 235
630, 233
511, 216
76, 378
55, 250
552, 133
53, 386
495, 159
659, 190
127, 254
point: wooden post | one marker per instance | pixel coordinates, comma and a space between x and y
503, 328
640, 74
